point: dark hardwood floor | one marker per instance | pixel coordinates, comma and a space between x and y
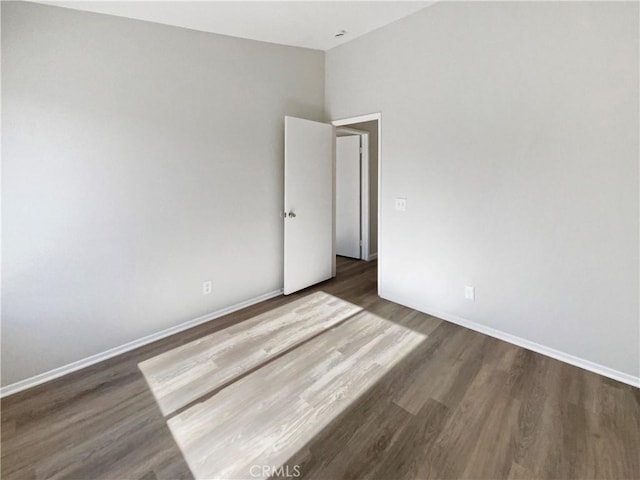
459, 405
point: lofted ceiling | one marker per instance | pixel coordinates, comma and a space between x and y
300, 24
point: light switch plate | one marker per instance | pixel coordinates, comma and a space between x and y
469, 293
401, 204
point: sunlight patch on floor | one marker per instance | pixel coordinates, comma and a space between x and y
331, 352
186, 373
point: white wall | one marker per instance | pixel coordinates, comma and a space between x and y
138, 161
512, 129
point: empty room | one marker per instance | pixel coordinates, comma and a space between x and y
320, 240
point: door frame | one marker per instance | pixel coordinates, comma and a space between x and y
364, 188
345, 122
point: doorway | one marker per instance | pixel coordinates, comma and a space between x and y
352, 193
357, 186
309, 212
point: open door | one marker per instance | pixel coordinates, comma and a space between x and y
348, 239
309, 256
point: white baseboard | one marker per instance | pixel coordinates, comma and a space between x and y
524, 343
372, 256
112, 352
521, 342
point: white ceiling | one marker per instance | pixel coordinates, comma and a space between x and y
301, 24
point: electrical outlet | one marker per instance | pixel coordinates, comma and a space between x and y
470, 293
401, 204
207, 287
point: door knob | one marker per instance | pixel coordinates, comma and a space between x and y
285, 215
292, 215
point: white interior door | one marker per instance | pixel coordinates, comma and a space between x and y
348, 216
308, 203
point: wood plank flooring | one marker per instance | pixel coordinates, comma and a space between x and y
451, 403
